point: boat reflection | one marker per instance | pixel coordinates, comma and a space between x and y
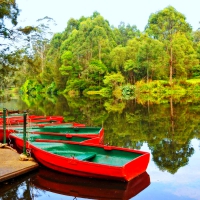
75, 186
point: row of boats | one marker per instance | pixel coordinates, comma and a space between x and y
72, 148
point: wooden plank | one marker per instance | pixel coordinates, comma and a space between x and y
11, 166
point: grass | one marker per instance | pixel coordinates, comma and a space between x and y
193, 81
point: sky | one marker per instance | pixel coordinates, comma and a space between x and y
133, 12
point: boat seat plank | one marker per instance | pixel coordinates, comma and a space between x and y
86, 156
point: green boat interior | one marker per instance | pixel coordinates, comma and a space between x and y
66, 130
89, 153
34, 137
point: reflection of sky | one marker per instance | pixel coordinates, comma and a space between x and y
185, 184
51, 195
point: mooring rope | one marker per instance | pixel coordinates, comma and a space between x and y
6, 147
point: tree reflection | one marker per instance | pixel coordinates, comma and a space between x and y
167, 128
170, 156
19, 188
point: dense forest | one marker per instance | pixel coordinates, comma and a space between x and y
91, 56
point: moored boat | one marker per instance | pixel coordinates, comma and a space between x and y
8, 112
90, 132
18, 119
91, 160
7, 133
18, 139
19, 128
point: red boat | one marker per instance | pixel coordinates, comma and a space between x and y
75, 186
14, 128
18, 119
8, 132
18, 139
8, 112
91, 160
90, 132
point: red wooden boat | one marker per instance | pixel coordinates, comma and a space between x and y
8, 112
8, 132
76, 186
90, 132
18, 139
15, 128
18, 119
91, 160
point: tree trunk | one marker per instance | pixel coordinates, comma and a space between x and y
171, 65
172, 115
99, 50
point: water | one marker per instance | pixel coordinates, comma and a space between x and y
169, 131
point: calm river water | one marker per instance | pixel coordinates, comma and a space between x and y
170, 131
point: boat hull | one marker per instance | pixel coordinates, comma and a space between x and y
94, 170
8, 132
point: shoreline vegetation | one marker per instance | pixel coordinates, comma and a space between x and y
154, 92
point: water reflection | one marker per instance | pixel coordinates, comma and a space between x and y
168, 130
18, 188
47, 180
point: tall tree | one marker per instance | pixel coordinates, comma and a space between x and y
118, 57
163, 25
152, 57
124, 33
185, 57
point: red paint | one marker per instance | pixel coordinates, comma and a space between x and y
81, 187
88, 169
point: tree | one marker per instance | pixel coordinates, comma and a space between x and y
124, 33
163, 25
132, 65
99, 38
185, 56
113, 80
8, 11
196, 41
151, 56
39, 40
95, 72
118, 57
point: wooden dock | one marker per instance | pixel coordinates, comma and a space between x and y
11, 166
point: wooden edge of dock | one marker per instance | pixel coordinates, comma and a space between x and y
11, 166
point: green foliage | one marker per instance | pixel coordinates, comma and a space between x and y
113, 80
184, 55
118, 57
114, 106
51, 89
124, 33
76, 85
164, 26
128, 91
31, 87
8, 10
91, 55
165, 23
196, 71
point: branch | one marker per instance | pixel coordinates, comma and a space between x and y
7, 1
